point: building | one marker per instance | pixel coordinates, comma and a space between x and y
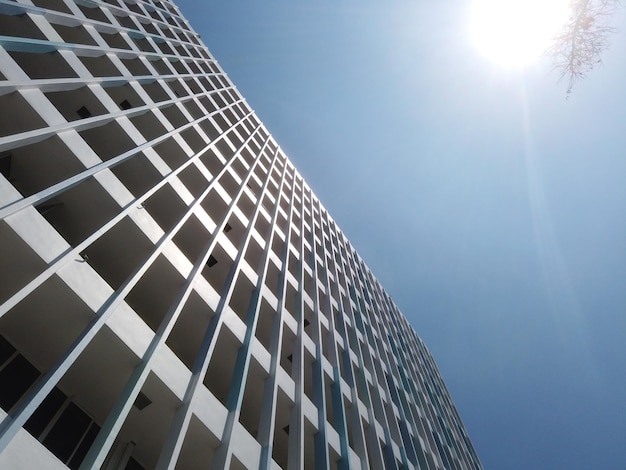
172, 293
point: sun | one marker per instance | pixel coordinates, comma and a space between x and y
515, 33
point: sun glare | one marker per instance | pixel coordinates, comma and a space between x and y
515, 33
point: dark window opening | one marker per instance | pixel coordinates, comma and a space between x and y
59, 424
6, 350
5, 165
67, 432
133, 465
45, 413
16, 378
83, 112
142, 401
84, 446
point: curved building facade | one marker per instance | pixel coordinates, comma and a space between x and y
172, 294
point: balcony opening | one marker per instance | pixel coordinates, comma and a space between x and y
94, 13
240, 298
143, 44
174, 116
217, 96
330, 411
149, 125
198, 447
171, 153
231, 119
20, 26
222, 364
154, 294
278, 245
236, 232
178, 65
115, 41
216, 273
190, 328
124, 21
225, 148
63, 427
166, 207
108, 140
207, 87
307, 375
79, 103
125, 95
159, 64
144, 431
145, 24
135, 66
280, 444
292, 303
238, 168
192, 239
254, 254
117, 253
272, 277
216, 208
193, 139
176, 86
206, 101
263, 222
75, 218
245, 203
252, 403
138, 174
75, 35
287, 350
22, 117
212, 162
310, 456
194, 109
100, 66
46, 322
265, 324
235, 464
57, 5
248, 160
192, 82
155, 91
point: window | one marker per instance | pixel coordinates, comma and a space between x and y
58, 423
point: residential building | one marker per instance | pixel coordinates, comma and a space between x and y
172, 294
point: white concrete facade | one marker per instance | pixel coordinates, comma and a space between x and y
172, 294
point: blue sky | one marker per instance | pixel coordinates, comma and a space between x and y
491, 208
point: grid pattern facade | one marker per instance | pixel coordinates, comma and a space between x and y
173, 295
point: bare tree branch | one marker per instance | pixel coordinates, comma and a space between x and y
578, 48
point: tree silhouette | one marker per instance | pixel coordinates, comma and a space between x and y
578, 48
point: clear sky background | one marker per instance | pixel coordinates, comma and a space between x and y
491, 208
